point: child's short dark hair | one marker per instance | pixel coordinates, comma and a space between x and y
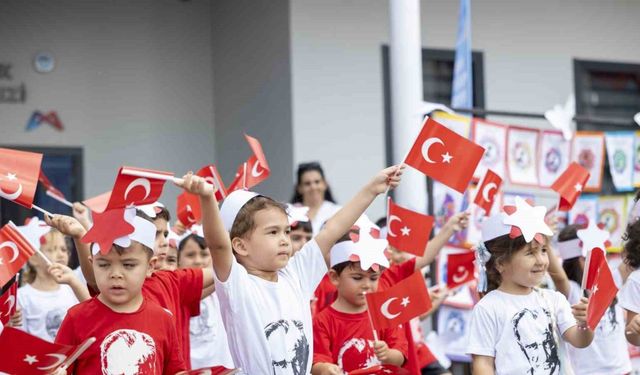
162, 213
304, 226
631, 252
197, 239
570, 232
244, 222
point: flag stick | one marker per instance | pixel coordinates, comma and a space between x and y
44, 257
41, 210
81, 349
244, 176
375, 334
59, 199
157, 176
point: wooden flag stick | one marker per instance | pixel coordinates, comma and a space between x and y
81, 349
375, 334
59, 199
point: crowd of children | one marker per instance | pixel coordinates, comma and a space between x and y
271, 288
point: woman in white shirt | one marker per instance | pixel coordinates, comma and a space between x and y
312, 191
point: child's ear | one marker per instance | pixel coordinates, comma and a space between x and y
334, 277
152, 265
238, 245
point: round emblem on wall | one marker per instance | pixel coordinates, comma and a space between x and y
44, 62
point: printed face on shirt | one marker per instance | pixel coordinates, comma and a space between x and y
299, 237
120, 276
127, 351
161, 245
193, 256
312, 186
534, 334
527, 266
353, 283
289, 347
268, 246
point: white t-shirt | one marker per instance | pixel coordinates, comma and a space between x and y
43, 311
327, 209
517, 331
269, 323
209, 345
630, 293
608, 352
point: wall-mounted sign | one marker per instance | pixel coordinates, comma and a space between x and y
44, 62
38, 118
13, 93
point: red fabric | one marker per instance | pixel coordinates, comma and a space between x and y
347, 339
602, 294
212, 176
147, 336
178, 291
425, 356
399, 304
49, 186
570, 185
216, 370
107, 227
326, 293
411, 233
380, 370
15, 250
8, 302
188, 209
595, 258
19, 172
99, 202
444, 155
460, 268
26, 354
132, 190
254, 170
485, 196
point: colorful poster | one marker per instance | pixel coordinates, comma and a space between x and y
522, 158
477, 216
588, 151
585, 210
457, 123
612, 213
453, 331
446, 203
493, 137
636, 160
621, 156
555, 152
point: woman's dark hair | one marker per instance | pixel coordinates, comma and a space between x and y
197, 239
631, 252
302, 169
502, 249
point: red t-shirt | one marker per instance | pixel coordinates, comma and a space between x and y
347, 340
326, 293
142, 342
179, 292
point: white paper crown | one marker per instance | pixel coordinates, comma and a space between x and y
529, 220
297, 214
34, 230
367, 250
144, 232
195, 229
232, 204
150, 209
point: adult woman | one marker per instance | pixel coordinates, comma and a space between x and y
312, 190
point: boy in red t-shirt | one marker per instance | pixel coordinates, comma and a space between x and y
342, 334
133, 334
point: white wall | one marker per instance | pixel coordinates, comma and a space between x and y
132, 83
528, 47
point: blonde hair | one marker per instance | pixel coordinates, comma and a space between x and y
30, 273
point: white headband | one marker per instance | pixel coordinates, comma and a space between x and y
144, 232
195, 229
34, 230
150, 209
570, 249
232, 204
368, 251
297, 214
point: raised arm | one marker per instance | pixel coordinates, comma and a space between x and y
70, 226
559, 277
216, 237
455, 224
343, 220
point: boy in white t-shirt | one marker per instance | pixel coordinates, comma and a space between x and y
264, 292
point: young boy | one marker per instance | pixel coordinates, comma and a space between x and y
264, 292
133, 334
301, 230
342, 334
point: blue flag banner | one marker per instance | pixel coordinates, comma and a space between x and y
462, 88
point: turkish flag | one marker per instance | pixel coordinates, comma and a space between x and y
444, 155
253, 171
19, 172
380, 369
133, 190
595, 258
216, 370
51, 190
8, 301
487, 191
603, 292
239, 181
188, 209
570, 185
399, 304
26, 354
212, 176
460, 268
408, 230
15, 250
98, 203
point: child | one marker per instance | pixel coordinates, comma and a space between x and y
208, 337
264, 292
342, 333
630, 293
608, 352
133, 334
50, 290
301, 230
513, 327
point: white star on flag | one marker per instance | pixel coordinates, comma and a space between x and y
405, 230
578, 187
594, 289
30, 359
592, 237
446, 157
405, 301
11, 176
530, 220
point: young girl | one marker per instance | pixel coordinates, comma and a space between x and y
207, 334
513, 327
50, 290
608, 353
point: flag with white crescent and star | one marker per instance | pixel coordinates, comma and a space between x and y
132, 190
486, 194
19, 172
460, 268
399, 304
603, 292
445, 156
23, 353
254, 170
408, 230
570, 185
8, 300
15, 250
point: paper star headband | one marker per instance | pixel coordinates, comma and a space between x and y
297, 214
144, 232
34, 231
367, 250
152, 209
195, 229
232, 204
